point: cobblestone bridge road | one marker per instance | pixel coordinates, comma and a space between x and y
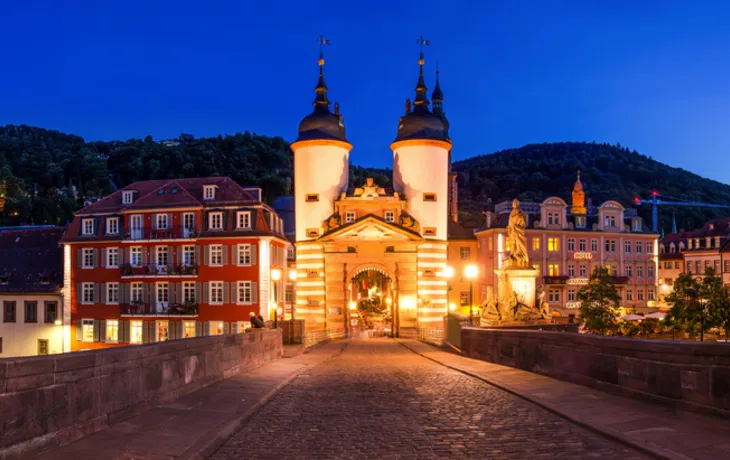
379, 400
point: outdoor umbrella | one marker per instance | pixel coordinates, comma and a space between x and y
657, 315
631, 318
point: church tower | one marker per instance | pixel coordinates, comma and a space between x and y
421, 154
321, 162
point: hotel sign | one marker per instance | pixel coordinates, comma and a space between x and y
583, 255
579, 281
572, 305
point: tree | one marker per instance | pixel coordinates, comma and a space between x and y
599, 301
687, 310
716, 299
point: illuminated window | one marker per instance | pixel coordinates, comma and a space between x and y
553, 245
135, 331
536, 244
244, 254
244, 220
580, 222
112, 330
506, 245
87, 330
188, 329
611, 269
216, 292
163, 330
553, 269
390, 216
244, 292
216, 328
536, 267
571, 245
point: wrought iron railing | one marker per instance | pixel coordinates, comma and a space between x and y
154, 233
159, 270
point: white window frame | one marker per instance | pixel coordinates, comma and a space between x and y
217, 287
649, 247
112, 325
639, 295
571, 270
218, 250
636, 225
188, 291
639, 271
580, 222
390, 216
112, 225
215, 326
241, 289
87, 288
215, 218
629, 271
639, 247
209, 192
112, 288
582, 245
243, 220
629, 295
127, 197
627, 247
650, 271
571, 245
158, 330
87, 324
112, 262
188, 329
350, 216
610, 221
160, 219
161, 251
87, 255
188, 219
243, 258
594, 245
135, 251
582, 270
162, 293
135, 331
87, 227
135, 291
571, 295
188, 252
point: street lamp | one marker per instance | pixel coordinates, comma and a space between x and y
276, 276
471, 272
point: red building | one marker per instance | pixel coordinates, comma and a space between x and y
168, 259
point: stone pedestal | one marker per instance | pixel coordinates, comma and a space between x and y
517, 281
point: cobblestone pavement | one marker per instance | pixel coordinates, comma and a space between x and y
378, 400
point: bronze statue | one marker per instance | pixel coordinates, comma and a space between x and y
516, 237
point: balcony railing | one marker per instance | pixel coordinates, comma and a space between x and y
153, 233
159, 270
556, 279
159, 309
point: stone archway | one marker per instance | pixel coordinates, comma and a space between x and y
372, 307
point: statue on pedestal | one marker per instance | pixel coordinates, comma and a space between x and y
516, 237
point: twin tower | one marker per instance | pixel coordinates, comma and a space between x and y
421, 162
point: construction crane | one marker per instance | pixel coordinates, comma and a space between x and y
657, 200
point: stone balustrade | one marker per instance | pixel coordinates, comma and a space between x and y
47, 401
692, 375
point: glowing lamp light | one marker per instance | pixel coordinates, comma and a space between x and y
353, 305
57, 322
408, 302
448, 271
276, 274
388, 300
292, 274
452, 306
280, 310
471, 271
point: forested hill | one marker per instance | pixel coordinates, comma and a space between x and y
537, 171
49, 174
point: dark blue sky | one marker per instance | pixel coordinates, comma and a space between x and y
652, 75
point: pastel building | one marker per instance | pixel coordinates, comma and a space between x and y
567, 242
168, 259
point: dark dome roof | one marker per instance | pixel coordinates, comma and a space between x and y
322, 124
422, 124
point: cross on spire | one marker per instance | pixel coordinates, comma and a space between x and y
422, 41
321, 41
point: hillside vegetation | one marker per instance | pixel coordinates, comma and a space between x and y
48, 175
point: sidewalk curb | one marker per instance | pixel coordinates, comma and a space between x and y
654, 451
210, 446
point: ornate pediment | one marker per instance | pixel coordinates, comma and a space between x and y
371, 228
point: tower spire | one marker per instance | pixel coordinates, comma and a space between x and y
674, 223
421, 101
437, 96
320, 100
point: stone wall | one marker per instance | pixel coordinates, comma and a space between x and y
53, 400
691, 375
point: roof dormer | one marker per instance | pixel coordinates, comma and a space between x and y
209, 192
128, 196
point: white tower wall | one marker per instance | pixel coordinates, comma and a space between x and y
419, 169
320, 169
